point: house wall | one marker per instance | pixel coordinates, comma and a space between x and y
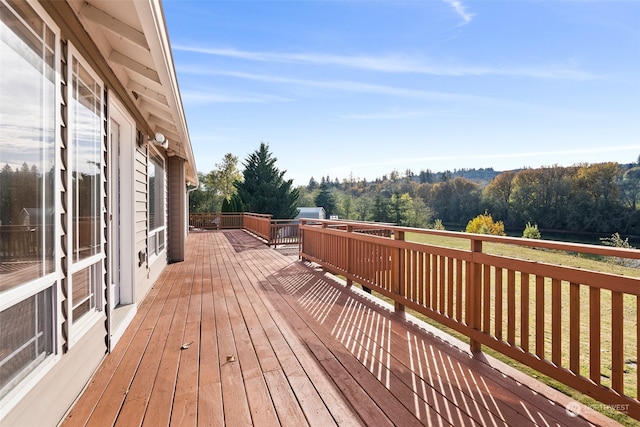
156, 258
48, 401
148, 266
54, 380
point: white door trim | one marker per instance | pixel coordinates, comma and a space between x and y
123, 233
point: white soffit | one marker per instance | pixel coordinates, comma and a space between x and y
132, 36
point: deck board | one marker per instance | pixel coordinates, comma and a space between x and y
242, 334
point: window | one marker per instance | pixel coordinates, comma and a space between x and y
27, 191
85, 158
156, 204
84, 291
27, 146
86, 162
26, 338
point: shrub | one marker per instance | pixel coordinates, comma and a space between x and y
617, 242
438, 225
531, 231
484, 224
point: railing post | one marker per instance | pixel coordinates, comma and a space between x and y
399, 272
301, 239
350, 251
272, 233
474, 295
324, 245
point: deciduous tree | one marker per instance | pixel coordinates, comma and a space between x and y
221, 179
484, 224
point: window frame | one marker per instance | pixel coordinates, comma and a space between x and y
157, 237
79, 327
51, 280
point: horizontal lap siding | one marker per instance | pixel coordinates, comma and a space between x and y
141, 226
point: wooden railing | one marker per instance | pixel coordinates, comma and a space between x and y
258, 224
215, 221
284, 232
580, 327
274, 231
24, 242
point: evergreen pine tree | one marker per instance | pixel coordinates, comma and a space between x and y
326, 199
226, 205
264, 189
236, 203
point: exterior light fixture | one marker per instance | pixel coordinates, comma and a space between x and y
159, 140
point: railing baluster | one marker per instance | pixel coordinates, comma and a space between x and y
459, 301
574, 328
434, 281
524, 311
594, 335
440, 286
617, 342
399, 276
450, 282
419, 279
540, 304
511, 307
498, 309
486, 299
444, 279
350, 250
415, 281
422, 278
556, 322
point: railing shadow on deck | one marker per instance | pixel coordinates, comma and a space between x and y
579, 327
576, 326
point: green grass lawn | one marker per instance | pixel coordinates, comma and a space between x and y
630, 308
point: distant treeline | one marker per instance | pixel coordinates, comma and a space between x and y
600, 198
21, 190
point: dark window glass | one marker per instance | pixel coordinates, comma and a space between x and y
26, 338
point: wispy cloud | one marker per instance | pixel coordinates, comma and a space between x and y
200, 97
399, 115
396, 64
386, 63
348, 86
460, 9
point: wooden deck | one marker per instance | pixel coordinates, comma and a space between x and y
240, 334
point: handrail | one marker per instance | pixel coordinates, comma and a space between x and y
274, 231
533, 243
258, 224
561, 321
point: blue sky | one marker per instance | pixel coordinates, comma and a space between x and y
365, 87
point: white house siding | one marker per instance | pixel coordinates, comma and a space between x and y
141, 229
41, 394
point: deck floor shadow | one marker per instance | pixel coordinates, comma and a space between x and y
256, 337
